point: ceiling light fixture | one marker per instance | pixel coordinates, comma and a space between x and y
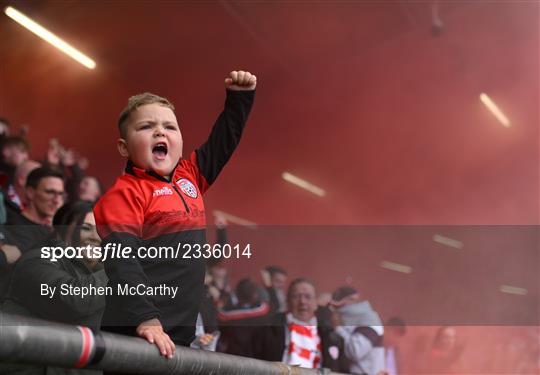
48, 36
396, 267
490, 104
289, 177
513, 290
450, 242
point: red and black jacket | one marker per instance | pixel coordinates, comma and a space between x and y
145, 209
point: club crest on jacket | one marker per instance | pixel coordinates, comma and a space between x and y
187, 187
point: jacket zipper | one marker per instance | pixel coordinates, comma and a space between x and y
161, 178
181, 197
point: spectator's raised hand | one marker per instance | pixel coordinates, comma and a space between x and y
53, 152
324, 299
68, 158
83, 163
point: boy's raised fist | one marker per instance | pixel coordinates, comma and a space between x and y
239, 80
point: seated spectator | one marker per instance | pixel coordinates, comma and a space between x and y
15, 198
361, 329
297, 338
238, 322
30, 228
275, 281
45, 193
90, 189
74, 226
13, 152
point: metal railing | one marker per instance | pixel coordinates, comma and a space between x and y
32, 341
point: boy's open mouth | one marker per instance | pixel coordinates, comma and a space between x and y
160, 150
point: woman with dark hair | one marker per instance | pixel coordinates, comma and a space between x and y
74, 226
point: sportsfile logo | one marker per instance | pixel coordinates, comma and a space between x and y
163, 191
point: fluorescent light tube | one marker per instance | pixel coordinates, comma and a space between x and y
46, 35
448, 241
513, 290
490, 104
396, 267
303, 184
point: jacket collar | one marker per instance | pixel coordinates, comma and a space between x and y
141, 173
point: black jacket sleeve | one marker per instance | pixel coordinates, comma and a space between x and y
127, 309
225, 136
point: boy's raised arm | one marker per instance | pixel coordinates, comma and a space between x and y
226, 133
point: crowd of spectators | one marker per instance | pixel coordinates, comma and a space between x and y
48, 202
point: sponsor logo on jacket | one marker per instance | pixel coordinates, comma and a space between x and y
165, 190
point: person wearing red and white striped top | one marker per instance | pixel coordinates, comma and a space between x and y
299, 337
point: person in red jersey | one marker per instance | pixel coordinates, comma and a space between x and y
158, 202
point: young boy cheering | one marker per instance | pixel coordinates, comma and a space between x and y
158, 202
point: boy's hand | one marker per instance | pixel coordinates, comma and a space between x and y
240, 81
152, 331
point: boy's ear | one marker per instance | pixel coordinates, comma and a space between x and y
122, 147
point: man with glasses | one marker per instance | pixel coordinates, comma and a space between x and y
297, 337
45, 195
33, 226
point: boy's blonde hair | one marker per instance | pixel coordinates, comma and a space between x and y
135, 102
